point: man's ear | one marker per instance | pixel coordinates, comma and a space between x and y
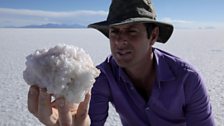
154, 35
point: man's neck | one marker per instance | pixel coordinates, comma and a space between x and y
142, 70
143, 77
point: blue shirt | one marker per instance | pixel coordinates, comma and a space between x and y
178, 97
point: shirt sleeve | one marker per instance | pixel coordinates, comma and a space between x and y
100, 98
198, 108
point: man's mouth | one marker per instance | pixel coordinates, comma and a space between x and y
123, 53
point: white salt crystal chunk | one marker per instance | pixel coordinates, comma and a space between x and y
64, 70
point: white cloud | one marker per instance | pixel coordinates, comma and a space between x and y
26, 12
20, 17
191, 24
177, 21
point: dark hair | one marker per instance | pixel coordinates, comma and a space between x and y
149, 27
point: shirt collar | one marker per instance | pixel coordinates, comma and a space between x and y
163, 69
123, 76
119, 71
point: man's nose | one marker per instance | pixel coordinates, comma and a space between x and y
122, 39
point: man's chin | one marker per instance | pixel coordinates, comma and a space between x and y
122, 63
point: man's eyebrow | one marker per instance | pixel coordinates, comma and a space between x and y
112, 27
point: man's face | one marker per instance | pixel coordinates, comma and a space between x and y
129, 44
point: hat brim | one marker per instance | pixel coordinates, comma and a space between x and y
165, 29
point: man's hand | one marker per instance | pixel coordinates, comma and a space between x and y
58, 112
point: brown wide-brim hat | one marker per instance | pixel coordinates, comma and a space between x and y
133, 11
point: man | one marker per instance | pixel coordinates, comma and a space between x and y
147, 86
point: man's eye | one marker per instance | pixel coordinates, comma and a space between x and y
114, 31
132, 32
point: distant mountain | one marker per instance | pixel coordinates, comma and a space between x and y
50, 25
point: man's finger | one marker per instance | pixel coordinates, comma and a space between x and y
65, 115
45, 114
32, 100
83, 108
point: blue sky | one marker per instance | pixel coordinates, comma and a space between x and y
182, 13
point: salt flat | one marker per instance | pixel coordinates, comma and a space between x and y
202, 48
